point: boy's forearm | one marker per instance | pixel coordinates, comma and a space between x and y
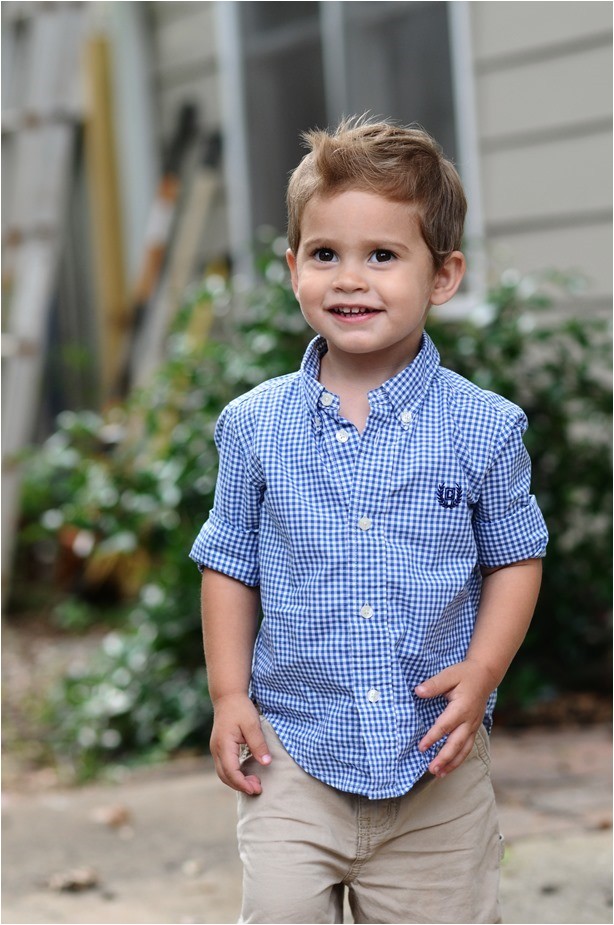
508, 600
230, 623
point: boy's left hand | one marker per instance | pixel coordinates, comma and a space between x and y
467, 687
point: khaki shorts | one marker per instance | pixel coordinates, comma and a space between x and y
431, 855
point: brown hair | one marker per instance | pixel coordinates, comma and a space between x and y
404, 164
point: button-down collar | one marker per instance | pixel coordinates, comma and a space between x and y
404, 392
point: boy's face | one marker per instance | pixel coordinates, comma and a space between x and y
364, 277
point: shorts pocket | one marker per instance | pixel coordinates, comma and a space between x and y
482, 747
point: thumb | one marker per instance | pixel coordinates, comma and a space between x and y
439, 684
255, 741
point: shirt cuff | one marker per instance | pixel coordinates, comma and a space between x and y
520, 535
224, 548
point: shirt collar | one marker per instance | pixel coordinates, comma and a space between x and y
310, 372
403, 392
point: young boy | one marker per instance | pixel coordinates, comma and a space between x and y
377, 507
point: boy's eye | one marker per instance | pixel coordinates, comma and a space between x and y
382, 256
324, 254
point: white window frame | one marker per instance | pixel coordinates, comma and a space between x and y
467, 139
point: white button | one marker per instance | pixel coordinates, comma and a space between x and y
342, 436
373, 695
364, 523
366, 611
406, 417
326, 399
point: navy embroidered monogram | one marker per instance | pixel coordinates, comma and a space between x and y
367, 586
449, 497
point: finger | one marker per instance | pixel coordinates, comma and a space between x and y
446, 723
452, 755
226, 754
256, 742
439, 684
230, 773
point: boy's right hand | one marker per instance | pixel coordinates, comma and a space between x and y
236, 723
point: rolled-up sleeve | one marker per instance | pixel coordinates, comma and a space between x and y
228, 540
508, 524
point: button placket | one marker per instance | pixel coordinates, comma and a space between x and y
370, 633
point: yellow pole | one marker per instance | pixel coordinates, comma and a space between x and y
105, 210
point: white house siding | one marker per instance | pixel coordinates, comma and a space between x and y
544, 110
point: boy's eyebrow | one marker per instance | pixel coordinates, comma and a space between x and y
374, 244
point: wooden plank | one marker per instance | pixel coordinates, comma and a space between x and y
42, 127
194, 216
103, 184
15, 62
47, 51
36, 267
158, 233
43, 147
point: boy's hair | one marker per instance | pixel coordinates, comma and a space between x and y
403, 164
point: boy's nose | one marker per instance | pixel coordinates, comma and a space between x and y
349, 279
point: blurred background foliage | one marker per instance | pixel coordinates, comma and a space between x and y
112, 503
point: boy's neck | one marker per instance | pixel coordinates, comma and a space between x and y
353, 376
341, 372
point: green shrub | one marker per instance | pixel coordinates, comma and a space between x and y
122, 496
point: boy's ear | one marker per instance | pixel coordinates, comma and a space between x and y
291, 261
448, 279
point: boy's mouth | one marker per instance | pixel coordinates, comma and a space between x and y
346, 311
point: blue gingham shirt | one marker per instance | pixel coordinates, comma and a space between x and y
367, 550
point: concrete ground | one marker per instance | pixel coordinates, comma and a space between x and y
160, 846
